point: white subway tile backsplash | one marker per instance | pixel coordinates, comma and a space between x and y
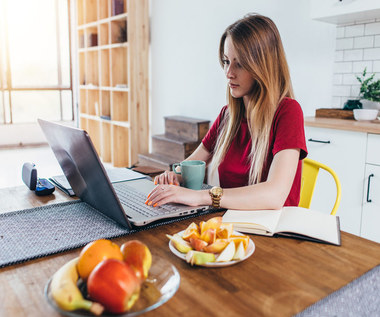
354, 30
357, 48
363, 41
353, 55
344, 44
342, 67
341, 91
339, 32
372, 28
336, 102
355, 91
371, 54
376, 66
358, 67
338, 79
339, 56
377, 41
349, 79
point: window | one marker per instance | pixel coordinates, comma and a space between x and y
35, 65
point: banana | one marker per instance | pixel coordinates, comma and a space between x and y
66, 293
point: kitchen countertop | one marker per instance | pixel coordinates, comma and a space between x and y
344, 124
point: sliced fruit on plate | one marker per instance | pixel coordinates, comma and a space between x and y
227, 254
216, 247
192, 231
239, 253
199, 258
198, 244
237, 239
209, 235
180, 244
225, 231
213, 223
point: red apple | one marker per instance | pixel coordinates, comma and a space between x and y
198, 244
137, 255
115, 285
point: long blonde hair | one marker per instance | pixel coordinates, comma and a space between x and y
258, 44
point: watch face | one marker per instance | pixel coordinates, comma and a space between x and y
217, 191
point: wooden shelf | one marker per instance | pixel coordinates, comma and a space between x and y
113, 48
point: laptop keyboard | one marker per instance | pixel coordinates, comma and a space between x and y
136, 201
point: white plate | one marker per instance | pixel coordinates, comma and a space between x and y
249, 252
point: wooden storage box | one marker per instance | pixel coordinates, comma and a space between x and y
334, 113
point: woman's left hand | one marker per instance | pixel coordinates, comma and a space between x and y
164, 194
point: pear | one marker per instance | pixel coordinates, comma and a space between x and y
239, 253
199, 258
180, 244
227, 254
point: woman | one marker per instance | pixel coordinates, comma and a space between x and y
258, 141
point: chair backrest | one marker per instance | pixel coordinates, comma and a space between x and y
310, 170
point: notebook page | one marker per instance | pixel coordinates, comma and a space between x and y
310, 223
257, 219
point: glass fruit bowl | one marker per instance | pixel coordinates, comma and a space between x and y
162, 283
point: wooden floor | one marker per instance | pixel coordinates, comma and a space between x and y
12, 160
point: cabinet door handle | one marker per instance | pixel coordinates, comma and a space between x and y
319, 141
369, 182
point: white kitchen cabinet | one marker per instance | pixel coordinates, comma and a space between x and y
344, 11
345, 152
370, 225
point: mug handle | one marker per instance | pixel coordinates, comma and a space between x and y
174, 166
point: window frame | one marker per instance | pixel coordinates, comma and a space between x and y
7, 85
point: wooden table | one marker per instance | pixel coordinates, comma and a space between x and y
282, 277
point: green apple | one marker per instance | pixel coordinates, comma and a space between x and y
199, 258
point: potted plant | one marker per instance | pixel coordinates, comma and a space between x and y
369, 91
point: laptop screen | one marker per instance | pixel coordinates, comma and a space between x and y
83, 169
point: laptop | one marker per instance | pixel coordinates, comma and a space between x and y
123, 202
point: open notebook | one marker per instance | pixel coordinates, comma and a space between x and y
294, 222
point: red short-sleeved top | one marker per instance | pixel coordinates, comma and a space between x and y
287, 132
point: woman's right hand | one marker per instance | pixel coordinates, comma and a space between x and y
168, 178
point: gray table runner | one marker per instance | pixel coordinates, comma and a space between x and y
37, 232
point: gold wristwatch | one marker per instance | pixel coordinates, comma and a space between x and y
216, 194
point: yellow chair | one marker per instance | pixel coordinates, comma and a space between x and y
310, 170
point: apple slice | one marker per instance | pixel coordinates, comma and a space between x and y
209, 235
227, 254
180, 244
199, 258
240, 252
218, 246
197, 244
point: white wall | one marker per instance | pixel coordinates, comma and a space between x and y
186, 78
